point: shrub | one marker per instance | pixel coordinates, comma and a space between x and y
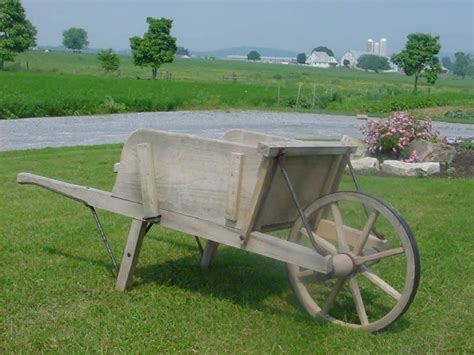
393, 135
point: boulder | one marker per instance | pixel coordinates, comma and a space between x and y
366, 165
432, 152
400, 168
359, 143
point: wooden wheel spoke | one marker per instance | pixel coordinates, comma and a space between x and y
321, 242
341, 238
354, 286
378, 281
333, 295
305, 273
366, 232
377, 256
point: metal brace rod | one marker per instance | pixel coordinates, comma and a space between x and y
356, 183
198, 242
104, 238
295, 200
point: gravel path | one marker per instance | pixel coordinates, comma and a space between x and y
31, 133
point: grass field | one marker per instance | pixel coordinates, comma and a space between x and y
58, 295
58, 83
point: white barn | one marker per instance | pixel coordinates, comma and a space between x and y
321, 60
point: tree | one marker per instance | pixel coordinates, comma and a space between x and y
301, 58
109, 61
75, 38
346, 62
17, 34
462, 63
447, 63
181, 51
253, 55
373, 62
324, 49
420, 57
156, 47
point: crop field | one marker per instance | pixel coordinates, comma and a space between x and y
57, 83
57, 285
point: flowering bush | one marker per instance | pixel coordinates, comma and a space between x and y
394, 134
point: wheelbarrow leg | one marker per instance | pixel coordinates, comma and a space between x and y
209, 254
130, 254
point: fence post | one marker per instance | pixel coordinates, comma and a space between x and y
298, 97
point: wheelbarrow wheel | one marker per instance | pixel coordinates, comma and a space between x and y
385, 272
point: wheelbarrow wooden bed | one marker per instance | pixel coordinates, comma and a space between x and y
237, 190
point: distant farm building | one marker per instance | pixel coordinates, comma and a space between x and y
321, 60
263, 59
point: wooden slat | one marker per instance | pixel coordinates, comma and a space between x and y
265, 176
146, 171
326, 229
302, 148
233, 190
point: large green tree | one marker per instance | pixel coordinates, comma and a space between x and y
324, 49
156, 47
373, 62
301, 58
75, 38
17, 34
253, 55
420, 57
462, 64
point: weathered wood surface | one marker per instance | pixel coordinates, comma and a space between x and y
146, 170
192, 175
131, 254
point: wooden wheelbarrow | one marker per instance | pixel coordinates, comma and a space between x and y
238, 189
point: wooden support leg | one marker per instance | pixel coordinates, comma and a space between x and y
209, 254
130, 254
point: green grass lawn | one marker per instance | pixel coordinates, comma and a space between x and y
57, 288
59, 83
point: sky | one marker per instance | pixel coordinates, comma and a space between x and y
293, 25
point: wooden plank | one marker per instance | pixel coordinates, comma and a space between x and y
146, 171
265, 176
130, 255
301, 148
327, 230
87, 195
233, 191
209, 254
191, 173
259, 243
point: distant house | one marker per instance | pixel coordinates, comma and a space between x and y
321, 60
352, 56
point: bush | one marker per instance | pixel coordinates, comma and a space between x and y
393, 135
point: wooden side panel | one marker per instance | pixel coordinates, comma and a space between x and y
191, 174
311, 176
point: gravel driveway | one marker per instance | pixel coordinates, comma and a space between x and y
31, 133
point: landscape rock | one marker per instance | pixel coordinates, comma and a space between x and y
400, 168
432, 152
366, 165
361, 145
